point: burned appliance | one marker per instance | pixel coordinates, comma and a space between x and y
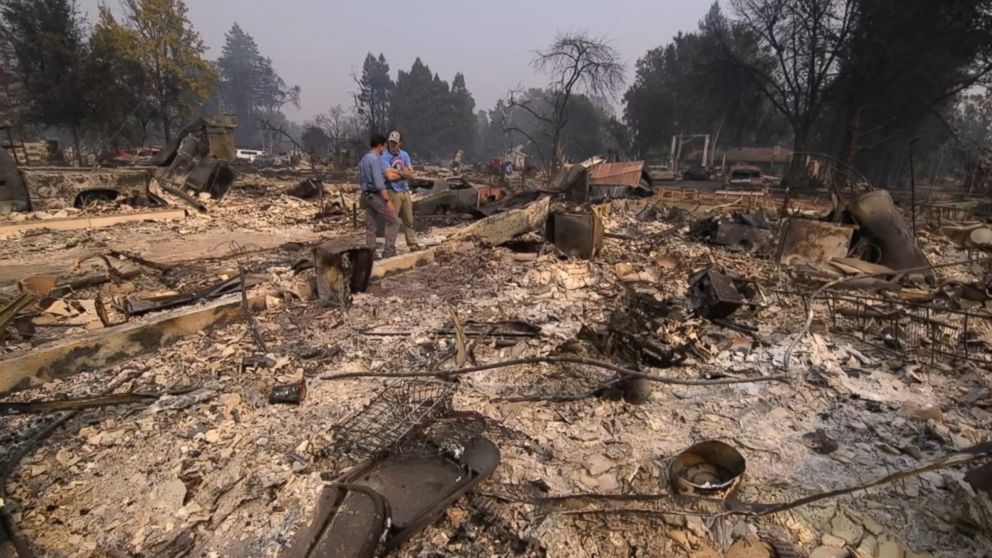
577, 235
715, 295
742, 233
341, 271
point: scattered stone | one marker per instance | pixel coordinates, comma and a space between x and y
599, 464
868, 547
829, 552
889, 549
844, 528
168, 496
831, 540
921, 413
912, 451
750, 548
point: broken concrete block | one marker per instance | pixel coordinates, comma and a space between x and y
829, 552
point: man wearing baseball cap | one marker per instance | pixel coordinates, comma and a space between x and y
399, 167
375, 197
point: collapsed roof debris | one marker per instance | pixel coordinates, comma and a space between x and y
570, 370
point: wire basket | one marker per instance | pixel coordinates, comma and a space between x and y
934, 332
396, 413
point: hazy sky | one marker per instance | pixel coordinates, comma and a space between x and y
317, 44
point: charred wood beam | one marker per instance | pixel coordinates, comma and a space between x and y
30, 407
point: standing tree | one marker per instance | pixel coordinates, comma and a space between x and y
436, 118
807, 39
906, 63
315, 141
239, 68
463, 133
973, 121
11, 88
335, 125
121, 112
45, 41
574, 62
417, 107
172, 55
493, 137
691, 87
375, 93
273, 95
250, 87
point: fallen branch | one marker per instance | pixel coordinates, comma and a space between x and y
720, 509
558, 360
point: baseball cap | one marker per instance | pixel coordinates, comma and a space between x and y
394, 136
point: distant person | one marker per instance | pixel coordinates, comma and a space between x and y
379, 208
399, 167
456, 161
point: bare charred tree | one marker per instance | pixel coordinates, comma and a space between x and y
574, 63
807, 39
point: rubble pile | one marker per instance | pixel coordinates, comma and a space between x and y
590, 352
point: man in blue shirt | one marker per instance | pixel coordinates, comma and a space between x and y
375, 196
399, 167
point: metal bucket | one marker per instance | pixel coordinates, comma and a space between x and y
711, 469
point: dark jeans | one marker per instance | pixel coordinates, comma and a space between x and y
375, 212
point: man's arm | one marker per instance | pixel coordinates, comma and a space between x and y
378, 179
388, 172
407, 166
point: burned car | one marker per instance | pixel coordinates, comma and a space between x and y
196, 161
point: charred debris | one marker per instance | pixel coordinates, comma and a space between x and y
596, 362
